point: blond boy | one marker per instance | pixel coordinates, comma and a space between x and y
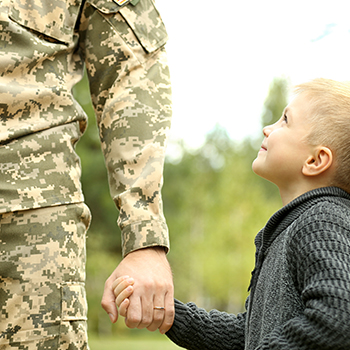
300, 287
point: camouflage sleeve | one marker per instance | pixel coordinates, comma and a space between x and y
130, 89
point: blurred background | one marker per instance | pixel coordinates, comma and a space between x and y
232, 67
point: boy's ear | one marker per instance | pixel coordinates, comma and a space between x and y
319, 162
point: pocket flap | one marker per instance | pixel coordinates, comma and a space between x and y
141, 16
109, 6
145, 21
55, 19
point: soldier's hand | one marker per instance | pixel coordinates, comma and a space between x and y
153, 287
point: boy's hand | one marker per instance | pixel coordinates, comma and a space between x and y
123, 288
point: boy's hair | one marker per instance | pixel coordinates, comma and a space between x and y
330, 116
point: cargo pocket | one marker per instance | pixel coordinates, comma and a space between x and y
73, 327
74, 304
53, 19
138, 22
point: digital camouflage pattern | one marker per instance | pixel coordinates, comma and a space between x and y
44, 46
42, 264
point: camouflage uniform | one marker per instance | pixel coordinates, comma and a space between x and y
43, 48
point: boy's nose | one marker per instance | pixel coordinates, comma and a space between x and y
267, 130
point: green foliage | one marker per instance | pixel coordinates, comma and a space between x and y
214, 205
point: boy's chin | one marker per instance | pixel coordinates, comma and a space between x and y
255, 166
259, 171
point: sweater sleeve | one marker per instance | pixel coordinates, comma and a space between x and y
196, 329
320, 255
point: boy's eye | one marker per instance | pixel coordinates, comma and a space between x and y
285, 118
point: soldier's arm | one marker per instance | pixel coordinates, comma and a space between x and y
130, 89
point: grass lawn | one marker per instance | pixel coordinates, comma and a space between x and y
131, 344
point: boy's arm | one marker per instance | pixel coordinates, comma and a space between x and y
196, 329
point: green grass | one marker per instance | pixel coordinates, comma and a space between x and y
130, 344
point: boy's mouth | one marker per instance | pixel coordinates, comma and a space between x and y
263, 148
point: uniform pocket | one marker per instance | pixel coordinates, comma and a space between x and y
146, 23
74, 304
73, 325
54, 19
138, 16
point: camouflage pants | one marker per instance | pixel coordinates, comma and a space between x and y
42, 274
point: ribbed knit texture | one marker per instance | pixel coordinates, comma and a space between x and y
195, 328
300, 287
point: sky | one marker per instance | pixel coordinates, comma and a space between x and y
224, 54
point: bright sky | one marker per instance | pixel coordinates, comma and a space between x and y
223, 55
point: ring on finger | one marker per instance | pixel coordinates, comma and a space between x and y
159, 308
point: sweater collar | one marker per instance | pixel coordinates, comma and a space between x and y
290, 212
285, 217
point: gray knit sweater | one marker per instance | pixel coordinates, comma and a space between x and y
300, 287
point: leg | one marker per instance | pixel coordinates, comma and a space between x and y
42, 274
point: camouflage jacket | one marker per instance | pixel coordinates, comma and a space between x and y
43, 48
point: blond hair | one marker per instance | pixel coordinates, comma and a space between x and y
330, 116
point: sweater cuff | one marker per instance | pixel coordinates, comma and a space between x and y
179, 331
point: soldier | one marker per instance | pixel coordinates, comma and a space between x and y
44, 46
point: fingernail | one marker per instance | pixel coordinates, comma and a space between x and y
111, 316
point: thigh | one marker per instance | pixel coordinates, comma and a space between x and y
42, 275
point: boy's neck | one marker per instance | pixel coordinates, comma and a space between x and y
289, 194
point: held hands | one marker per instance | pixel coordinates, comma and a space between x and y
123, 288
151, 286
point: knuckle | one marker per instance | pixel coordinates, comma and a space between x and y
132, 321
148, 284
158, 318
104, 304
167, 323
171, 314
152, 328
107, 283
146, 321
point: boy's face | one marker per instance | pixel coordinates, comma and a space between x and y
285, 149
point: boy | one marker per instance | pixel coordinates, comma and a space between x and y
300, 287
